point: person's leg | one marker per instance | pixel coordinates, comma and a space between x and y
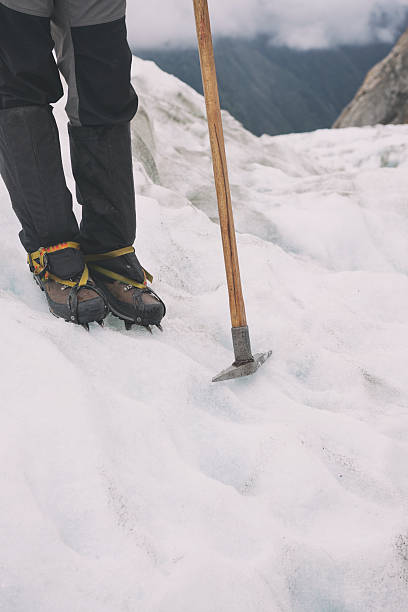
30, 161
30, 158
94, 57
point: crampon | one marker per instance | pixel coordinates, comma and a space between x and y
123, 282
72, 295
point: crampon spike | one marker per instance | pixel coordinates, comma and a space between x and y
101, 323
149, 329
128, 325
85, 326
159, 327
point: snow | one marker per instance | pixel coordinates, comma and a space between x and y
130, 482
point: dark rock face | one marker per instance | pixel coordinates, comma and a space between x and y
383, 97
277, 90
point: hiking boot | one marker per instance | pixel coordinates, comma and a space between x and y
123, 282
72, 295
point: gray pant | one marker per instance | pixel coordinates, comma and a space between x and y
77, 12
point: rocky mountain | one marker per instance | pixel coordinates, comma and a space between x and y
277, 90
383, 97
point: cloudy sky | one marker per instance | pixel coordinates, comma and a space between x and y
298, 23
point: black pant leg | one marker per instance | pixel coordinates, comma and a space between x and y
102, 164
95, 59
31, 167
28, 73
30, 157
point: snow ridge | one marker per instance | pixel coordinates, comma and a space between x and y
128, 481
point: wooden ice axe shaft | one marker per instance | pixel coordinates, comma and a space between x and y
245, 363
237, 306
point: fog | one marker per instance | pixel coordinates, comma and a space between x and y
296, 23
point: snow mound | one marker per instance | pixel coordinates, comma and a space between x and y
130, 482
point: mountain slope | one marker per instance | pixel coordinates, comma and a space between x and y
277, 90
128, 481
383, 97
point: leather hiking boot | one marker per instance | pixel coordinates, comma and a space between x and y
72, 295
123, 282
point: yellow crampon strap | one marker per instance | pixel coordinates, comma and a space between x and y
39, 264
91, 259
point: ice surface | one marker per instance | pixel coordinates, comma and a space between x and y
129, 482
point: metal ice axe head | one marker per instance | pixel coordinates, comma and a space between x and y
245, 363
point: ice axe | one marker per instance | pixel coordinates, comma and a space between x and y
245, 363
